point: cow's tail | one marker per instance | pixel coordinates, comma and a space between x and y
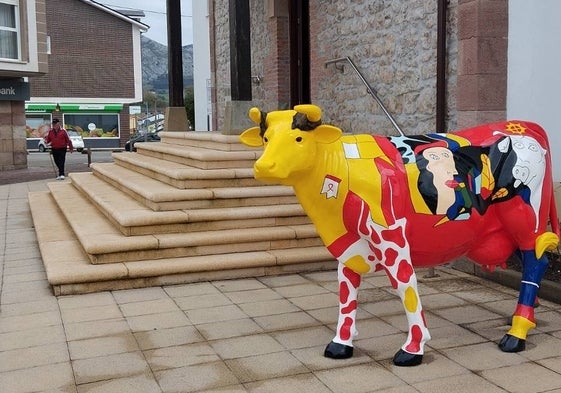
549, 241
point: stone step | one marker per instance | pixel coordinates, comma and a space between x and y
132, 218
197, 157
69, 270
183, 176
205, 139
160, 196
104, 243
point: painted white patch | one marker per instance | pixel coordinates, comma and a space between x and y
351, 150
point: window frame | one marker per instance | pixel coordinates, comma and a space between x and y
17, 29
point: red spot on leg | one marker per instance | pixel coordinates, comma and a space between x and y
350, 308
352, 276
394, 236
404, 271
391, 278
375, 237
424, 319
390, 257
416, 336
343, 292
345, 332
376, 251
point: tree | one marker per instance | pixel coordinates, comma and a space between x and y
189, 97
153, 102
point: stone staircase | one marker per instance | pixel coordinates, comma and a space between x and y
185, 209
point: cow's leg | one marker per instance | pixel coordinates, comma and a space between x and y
341, 347
518, 220
533, 269
404, 281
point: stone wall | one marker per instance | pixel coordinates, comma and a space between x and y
393, 43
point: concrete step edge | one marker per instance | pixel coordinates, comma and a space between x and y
205, 139
180, 171
198, 153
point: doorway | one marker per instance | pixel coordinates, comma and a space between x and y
299, 27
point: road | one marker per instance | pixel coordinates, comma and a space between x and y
40, 166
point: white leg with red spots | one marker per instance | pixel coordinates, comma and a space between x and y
403, 279
349, 281
341, 347
384, 248
418, 333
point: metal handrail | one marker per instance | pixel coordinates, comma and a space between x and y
369, 89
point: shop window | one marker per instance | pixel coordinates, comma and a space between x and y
93, 125
37, 126
9, 30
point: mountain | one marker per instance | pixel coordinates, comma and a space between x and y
155, 65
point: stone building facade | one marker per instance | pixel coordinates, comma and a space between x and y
392, 43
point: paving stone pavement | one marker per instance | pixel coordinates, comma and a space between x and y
253, 335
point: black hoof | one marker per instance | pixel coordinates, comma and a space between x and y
512, 344
338, 351
406, 359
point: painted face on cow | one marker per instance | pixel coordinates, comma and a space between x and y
441, 165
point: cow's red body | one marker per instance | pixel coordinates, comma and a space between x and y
390, 204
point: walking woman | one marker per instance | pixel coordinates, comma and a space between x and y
59, 140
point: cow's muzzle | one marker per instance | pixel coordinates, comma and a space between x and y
268, 170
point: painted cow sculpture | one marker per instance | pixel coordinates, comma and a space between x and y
392, 203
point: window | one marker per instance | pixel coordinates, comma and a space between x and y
93, 125
9, 30
37, 126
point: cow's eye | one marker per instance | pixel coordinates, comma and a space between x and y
299, 139
265, 139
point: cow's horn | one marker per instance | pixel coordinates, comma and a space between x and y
255, 115
313, 112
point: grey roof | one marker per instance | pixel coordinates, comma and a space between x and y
130, 16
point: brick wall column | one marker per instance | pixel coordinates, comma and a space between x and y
482, 61
276, 65
13, 147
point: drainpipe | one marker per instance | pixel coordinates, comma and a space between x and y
441, 67
440, 80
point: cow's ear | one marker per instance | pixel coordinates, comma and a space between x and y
326, 133
252, 137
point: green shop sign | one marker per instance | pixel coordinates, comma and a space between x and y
47, 108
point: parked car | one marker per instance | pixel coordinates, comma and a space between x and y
76, 139
141, 137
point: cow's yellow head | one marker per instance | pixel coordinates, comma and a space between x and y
290, 139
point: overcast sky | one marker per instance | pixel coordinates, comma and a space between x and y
155, 11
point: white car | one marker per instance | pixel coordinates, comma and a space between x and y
76, 139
